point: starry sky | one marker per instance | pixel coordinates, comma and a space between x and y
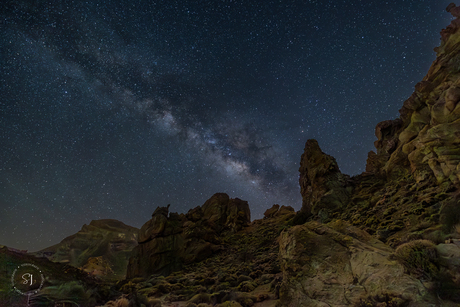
109, 109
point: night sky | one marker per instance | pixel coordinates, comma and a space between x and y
109, 109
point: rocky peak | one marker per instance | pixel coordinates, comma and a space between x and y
161, 211
322, 185
101, 248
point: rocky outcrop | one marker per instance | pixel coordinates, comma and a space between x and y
387, 237
424, 140
323, 187
410, 180
167, 242
276, 211
101, 248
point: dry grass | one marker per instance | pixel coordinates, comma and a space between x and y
419, 257
457, 228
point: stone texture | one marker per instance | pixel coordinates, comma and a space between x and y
271, 212
323, 266
276, 211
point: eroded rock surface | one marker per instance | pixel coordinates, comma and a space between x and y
339, 265
409, 193
424, 140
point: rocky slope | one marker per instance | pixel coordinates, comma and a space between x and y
101, 248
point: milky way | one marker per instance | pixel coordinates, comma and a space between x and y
109, 109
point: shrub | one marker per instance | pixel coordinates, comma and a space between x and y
384, 299
245, 299
200, 298
419, 257
450, 215
247, 286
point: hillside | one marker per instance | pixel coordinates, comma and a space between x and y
101, 248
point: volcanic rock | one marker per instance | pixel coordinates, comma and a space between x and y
424, 140
276, 211
166, 243
323, 187
271, 212
387, 237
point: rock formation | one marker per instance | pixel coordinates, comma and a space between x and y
323, 187
387, 237
166, 243
424, 140
407, 198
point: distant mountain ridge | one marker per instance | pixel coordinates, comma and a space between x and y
101, 248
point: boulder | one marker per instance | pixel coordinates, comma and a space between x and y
325, 267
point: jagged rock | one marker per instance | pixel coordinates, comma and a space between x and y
271, 212
323, 187
154, 227
375, 162
424, 140
168, 242
276, 211
453, 9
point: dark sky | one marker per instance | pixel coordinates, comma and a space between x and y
112, 108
